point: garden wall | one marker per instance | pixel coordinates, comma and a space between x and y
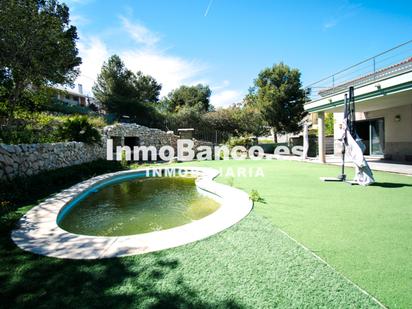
123, 134
30, 159
131, 134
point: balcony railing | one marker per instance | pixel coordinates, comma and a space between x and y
389, 63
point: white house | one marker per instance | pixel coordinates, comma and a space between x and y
383, 106
73, 96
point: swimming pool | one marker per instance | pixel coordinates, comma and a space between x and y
137, 205
43, 230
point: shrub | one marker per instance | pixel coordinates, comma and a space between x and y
30, 128
255, 196
33, 128
97, 121
124, 162
63, 108
79, 129
245, 141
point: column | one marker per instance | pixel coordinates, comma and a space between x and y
321, 136
305, 141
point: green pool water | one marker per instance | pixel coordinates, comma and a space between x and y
138, 206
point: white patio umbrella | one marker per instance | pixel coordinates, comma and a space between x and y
354, 150
352, 147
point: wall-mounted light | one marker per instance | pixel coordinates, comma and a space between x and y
398, 118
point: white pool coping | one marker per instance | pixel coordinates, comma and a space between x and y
37, 231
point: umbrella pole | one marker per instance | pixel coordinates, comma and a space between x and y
342, 176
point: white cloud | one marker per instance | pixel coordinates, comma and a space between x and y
80, 2
223, 96
171, 71
139, 33
345, 11
221, 86
79, 20
93, 52
330, 24
226, 98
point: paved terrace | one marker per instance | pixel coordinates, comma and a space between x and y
374, 163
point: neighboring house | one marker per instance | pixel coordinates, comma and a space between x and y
73, 96
383, 107
76, 97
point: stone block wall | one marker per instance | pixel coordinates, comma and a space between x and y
147, 136
30, 159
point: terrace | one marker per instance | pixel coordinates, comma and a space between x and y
383, 93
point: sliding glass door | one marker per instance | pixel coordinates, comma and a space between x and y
377, 137
372, 133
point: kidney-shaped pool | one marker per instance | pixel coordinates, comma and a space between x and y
140, 205
131, 212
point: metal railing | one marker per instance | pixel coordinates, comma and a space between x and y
391, 62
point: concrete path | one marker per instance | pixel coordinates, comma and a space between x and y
379, 165
375, 164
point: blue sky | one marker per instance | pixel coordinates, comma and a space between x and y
225, 43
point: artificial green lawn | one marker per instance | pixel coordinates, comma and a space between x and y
251, 265
363, 232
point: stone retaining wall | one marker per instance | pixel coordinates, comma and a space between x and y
30, 159
146, 136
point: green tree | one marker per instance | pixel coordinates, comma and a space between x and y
38, 48
124, 93
236, 120
329, 123
222, 119
280, 98
197, 97
114, 87
185, 117
251, 121
147, 87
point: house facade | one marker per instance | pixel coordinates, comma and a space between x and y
73, 96
383, 110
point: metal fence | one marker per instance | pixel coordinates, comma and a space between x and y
214, 136
200, 133
388, 63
